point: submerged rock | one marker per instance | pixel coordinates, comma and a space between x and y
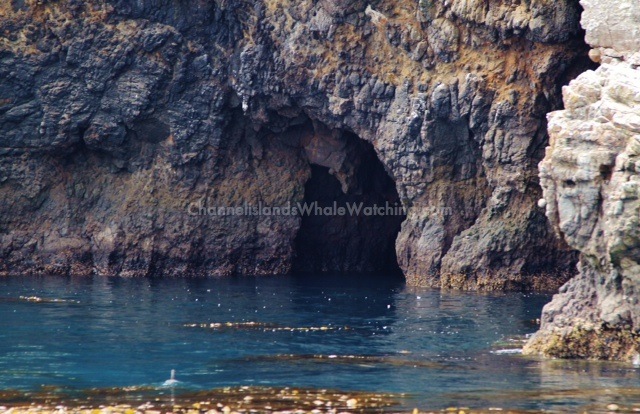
224, 400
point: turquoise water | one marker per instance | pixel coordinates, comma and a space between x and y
362, 333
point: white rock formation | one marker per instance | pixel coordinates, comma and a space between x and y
591, 181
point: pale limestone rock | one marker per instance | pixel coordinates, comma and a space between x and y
590, 181
613, 24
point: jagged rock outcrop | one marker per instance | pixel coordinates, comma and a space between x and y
119, 118
591, 191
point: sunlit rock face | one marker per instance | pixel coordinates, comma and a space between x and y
591, 188
121, 118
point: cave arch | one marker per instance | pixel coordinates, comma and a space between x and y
354, 212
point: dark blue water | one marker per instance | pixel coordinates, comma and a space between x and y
371, 334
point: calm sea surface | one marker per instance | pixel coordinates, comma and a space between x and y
364, 333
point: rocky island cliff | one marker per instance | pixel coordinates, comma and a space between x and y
118, 116
122, 122
590, 180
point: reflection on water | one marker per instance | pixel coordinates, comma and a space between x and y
368, 334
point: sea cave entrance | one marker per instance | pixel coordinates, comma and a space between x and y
355, 212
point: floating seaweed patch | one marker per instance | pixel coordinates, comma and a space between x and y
261, 326
7, 396
38, 299
368, 360
289, 400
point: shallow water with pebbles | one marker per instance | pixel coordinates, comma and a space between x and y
284, 344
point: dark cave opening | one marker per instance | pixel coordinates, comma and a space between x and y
355, 216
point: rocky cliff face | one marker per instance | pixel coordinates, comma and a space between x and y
119, 119
591, 191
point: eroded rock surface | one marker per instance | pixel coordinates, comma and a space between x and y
591, 191
117, 116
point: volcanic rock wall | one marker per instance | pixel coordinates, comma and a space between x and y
118, 119
591, 192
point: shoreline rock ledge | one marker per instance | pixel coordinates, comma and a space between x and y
591, 182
